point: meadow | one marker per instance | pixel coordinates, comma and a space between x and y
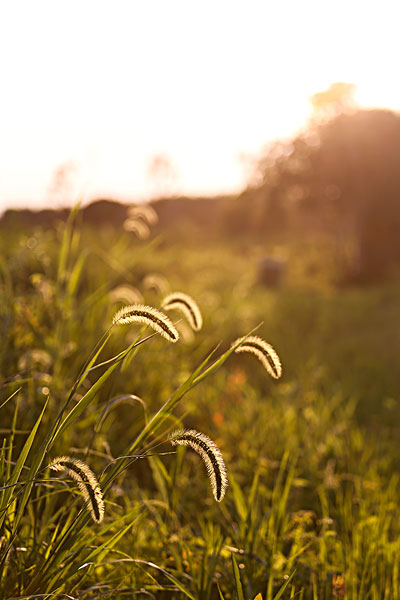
312, 505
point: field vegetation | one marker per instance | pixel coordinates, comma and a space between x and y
312, 506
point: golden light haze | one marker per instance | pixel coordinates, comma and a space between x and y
109, 85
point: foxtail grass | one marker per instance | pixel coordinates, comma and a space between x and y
263, 351
126, 294
138, 227
139, 313
145, 212
210, 454
155, 282
185, 304
86, 481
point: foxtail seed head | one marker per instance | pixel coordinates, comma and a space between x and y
144, 211
210, 454
139, 313
87, 483
186, 304
127, 294
138, 227
264, 352
156, 283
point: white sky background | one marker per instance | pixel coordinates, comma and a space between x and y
108, 85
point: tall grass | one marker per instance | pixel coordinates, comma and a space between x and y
312, 507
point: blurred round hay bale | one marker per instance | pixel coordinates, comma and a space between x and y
270, 271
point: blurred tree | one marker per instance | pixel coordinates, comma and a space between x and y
345, 173
261, 208
338, 98
359, 154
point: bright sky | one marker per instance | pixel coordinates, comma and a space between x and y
109, 84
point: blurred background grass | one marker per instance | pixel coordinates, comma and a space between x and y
312, 459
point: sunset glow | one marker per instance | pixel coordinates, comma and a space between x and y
107, 86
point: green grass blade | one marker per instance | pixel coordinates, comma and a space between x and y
221, 596
83, 403
169, 576
285, 585
20, 464
10, 397
25, 450
76, 273
238, 498
238, 583
65, 245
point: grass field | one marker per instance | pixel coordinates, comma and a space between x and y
312, 506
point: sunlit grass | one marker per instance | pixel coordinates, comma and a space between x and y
312, 507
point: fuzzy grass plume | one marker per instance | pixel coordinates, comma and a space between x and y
139, 313
156, 283
145, 212
127, 294
138, 227
210, 454
264, 352
186, 304
87, 483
